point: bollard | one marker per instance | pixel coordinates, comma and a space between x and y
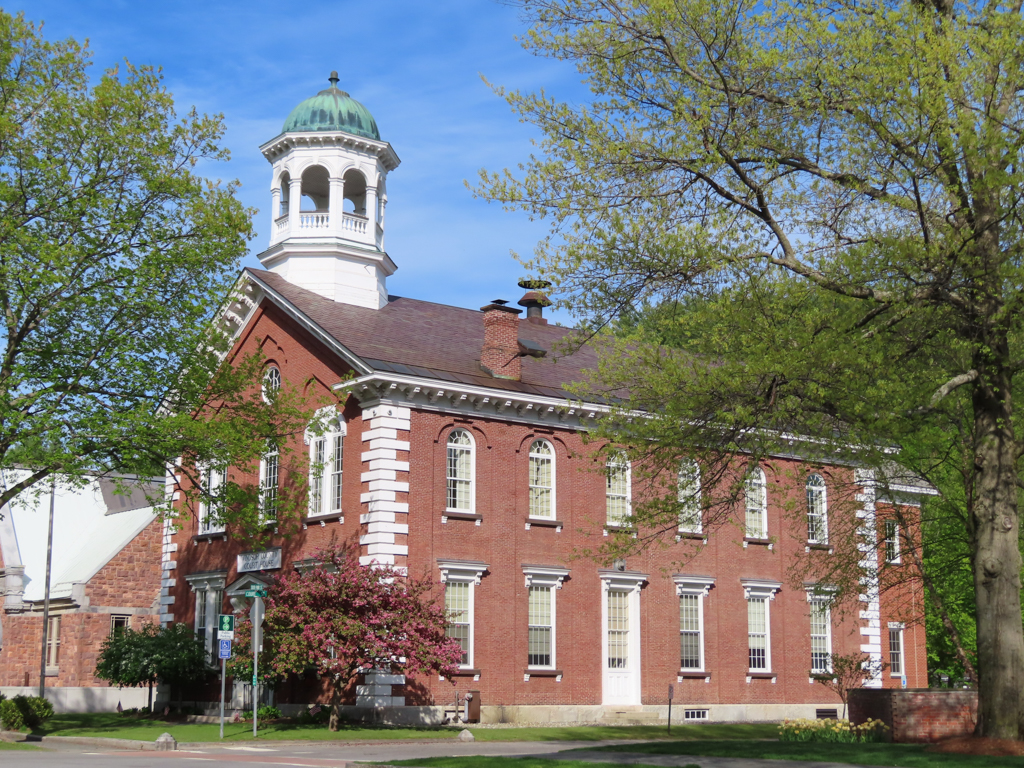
166, 743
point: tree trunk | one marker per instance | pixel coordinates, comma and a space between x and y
997, 560
335, 710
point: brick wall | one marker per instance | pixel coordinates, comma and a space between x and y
502, 538
920, 715
128, 584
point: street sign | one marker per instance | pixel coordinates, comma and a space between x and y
224, 649
256, 593
225, 627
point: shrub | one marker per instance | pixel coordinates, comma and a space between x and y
10, 716
836, 731
268, 712
35, 709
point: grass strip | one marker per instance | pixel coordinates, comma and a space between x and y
480, 761
115, 726
900, 755
15, 745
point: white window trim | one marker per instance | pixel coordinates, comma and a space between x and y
337, 426
263, 518
683, 527
619, 459
898, 625
554, 480
698, 586
472, 472
822, 595
757, 476
208, 584
467, 572
898, 558
551, 578
822, 488
207, 485
265, 387
766, 590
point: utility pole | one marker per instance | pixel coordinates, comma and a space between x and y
46, 592
256, 614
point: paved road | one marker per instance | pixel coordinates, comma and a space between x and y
334, 755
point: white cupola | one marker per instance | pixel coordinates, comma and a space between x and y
328, 196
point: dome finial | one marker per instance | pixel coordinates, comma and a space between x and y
333, 78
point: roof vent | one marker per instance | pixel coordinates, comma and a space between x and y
534, 300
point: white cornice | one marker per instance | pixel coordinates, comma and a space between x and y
452, 397
287, 141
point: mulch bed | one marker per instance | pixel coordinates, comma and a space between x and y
972, 745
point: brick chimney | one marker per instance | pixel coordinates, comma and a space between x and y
501, 356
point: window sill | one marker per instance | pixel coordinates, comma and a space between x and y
467, 673
681, 534
819, 547
747, 541
453, 515
541, 672
210, 536
695, 674
324, 519
52, 672
543, 522
761, 675
821, 675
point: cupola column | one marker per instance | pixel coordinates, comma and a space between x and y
294, 205
336, 204
275, 212
371, 213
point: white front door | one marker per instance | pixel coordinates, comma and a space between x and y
621, 645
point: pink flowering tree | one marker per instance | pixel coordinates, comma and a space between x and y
339, 618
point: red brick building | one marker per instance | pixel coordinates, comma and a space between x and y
456, 452
105, 575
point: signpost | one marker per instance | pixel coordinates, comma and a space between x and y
256, 613
671, 694
224, 653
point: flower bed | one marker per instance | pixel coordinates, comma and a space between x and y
839, 731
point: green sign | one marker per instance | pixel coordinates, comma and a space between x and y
226, 622
256, 593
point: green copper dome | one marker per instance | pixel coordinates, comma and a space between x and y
333, 110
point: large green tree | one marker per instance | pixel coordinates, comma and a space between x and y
840, 182
115, 255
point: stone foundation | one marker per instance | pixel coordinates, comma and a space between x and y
88, 699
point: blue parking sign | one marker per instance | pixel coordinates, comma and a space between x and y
225, 649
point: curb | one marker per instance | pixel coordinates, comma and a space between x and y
85, 741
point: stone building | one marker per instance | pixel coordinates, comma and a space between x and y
105, 575
455, 451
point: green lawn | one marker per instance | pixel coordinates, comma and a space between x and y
15, 745
907, 755
116, 726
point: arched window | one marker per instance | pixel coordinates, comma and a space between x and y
689, 497
269, 476
326, 463
271, 383
617, 490
542, 479
756, 505
460, 471
211, 504
817, 511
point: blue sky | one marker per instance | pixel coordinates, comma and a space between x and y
416, 65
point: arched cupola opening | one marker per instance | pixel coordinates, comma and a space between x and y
284, 190
316, 189
355, 192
